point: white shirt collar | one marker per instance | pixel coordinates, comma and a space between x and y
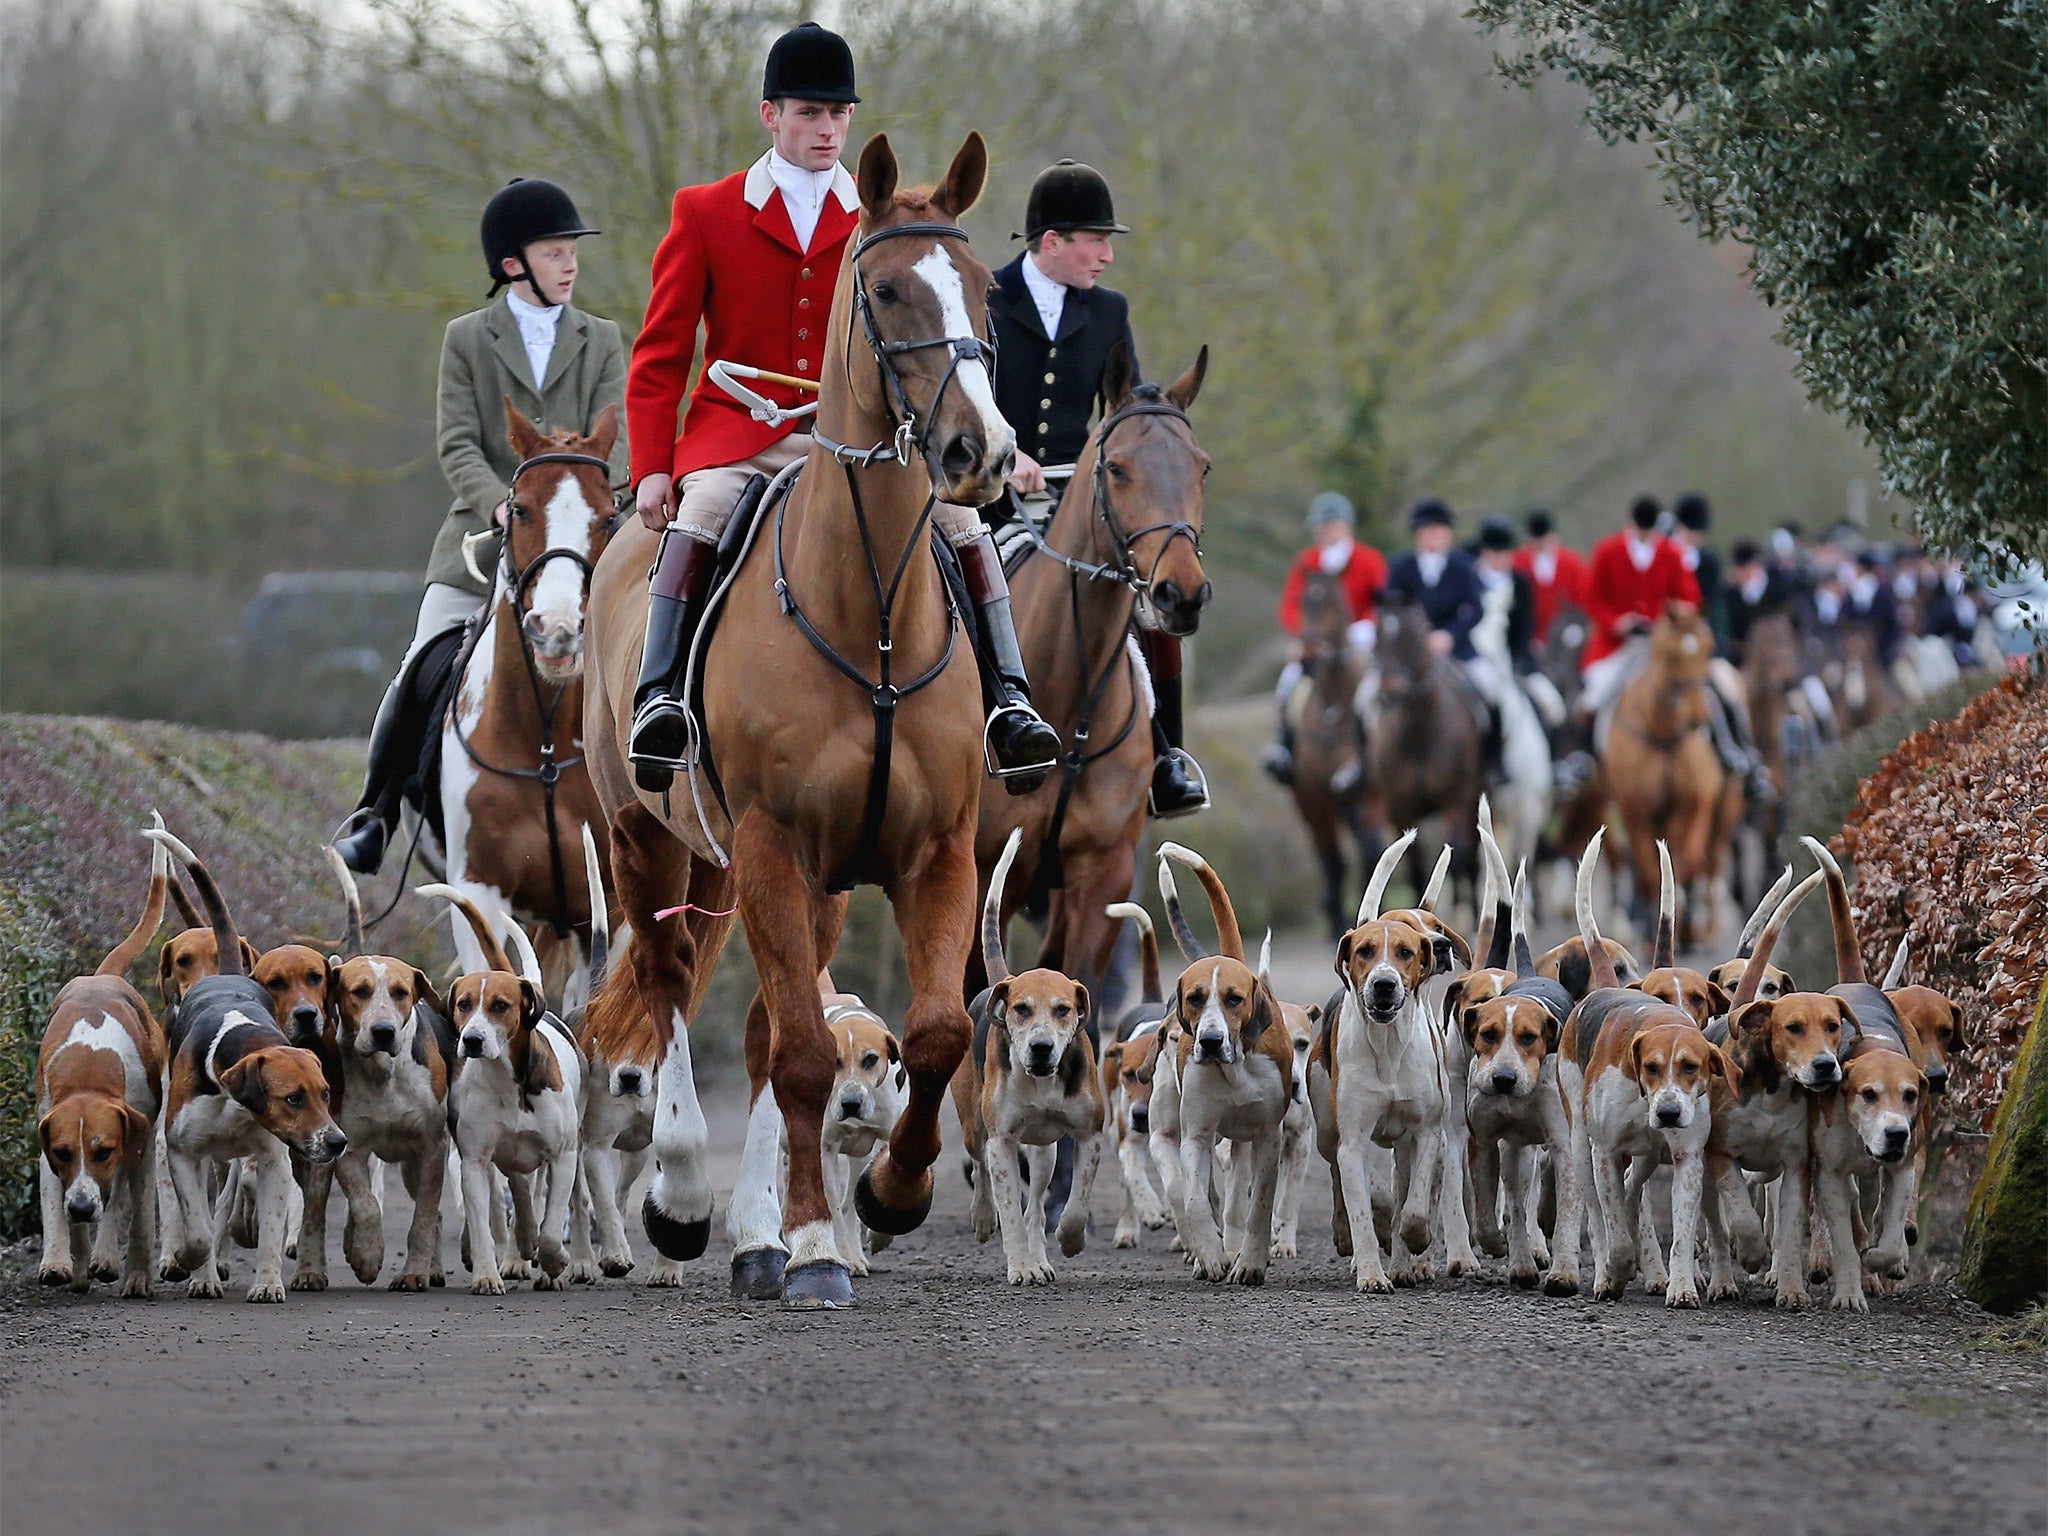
1048, 295
771, 173
1755, 585
1545, 563
1333, 558
538, 325
1642, 553
1430, 567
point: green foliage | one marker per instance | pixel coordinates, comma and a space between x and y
1887, 166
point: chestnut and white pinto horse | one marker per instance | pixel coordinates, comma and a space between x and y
515, 794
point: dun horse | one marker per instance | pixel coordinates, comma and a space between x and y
906, 414
1330, 787
1664, 774
1426, 745
515, 794
1124, 544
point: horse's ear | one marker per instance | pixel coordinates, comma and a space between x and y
877, 179
1117, 378
605, 432
525, 437
961, 187
1182, 391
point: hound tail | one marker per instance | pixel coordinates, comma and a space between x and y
1148, 948
1490, 944
1432, 892
993, 960
600, 914
1265, 970
225, 938
522, 948
1762, 914
1664, 953
494, 952
1848, 953
1895, 975
1525, 958
130, 949
1229, 941
1382, 873
1597, 958
1169, 892
1760, 958
352, 901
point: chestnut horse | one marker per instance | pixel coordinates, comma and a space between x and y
1330, 788
1663, 773
1124, 543
515, 794
1424, 756
906, 414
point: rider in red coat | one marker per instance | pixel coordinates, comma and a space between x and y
1633, 574
1556, 572
1363, 570
754, 259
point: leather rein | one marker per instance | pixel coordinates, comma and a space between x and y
518, 589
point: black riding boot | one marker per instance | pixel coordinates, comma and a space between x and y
1179, 787
383, 778
1492, 765
1020, 748
1737, 753
675, 602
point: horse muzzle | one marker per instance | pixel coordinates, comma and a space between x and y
1175, 609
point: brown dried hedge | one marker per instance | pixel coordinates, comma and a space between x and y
1950, 843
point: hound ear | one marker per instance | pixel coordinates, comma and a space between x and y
1553, 1027
1081, 1004
961, 186
1717, 999
1182, 391
1852, 1027
423, 991
1459, 946
531, 1005
249, 958
1468, 1024
1117, 378
244, 1083
166, 980
138, 1131
333, 988
889, 1044
877, 178
1788, 983
1315, 1013
999, 1002
1344, 948
604, 432
1751, 1019
1632, 1061
44, 1127
1719, 1065
1265, 1013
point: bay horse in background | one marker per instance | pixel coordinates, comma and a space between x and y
1424, 752
1123, 546
1331, 789
1665, 777
787, 770
1770, 679
1583, 812
515, 791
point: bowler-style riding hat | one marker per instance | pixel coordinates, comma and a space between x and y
1693, 512
1541, 524
1430, 514
524, 213
808, 63
1067, 197
1497, 534
1331, 507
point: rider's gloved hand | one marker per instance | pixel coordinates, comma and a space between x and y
1440, 641
1361, 634
1027, 476
651, 500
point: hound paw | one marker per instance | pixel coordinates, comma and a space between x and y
107, 1270
274, 1291
548, 1282
1523, 1279
1073, 1239
1154, 1223
206, 1287
1211, 1269
1888, 1262
1656, 1285
1415, 1232
1793, 1299
1610, 1289
1686, 1297
667, 1274
1724, 1290
1242, 1273
1561, 1282
311, 1280
984, 1226
409, 1282
1031, 1274
1375, 1285
170, 1271
1176, 1245
54, 1274
1283, 1249
1539, 1251
140, 1285
1125, 1238
1416, 1272
1458, 1266
487, 1285
615, 1266
1849, 1301
581, 1272
1493, 1244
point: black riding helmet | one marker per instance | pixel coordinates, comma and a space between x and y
808, 63
1067, 197
524, 213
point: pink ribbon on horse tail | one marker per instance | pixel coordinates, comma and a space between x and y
690, 906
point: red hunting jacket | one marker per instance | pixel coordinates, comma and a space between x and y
1615, 589
1364, 576
731, 263
1567, 584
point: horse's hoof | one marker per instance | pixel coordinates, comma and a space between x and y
757, 1274
822, 1286
674, 1239
888, 1218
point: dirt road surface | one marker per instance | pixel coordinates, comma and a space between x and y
1127, 1398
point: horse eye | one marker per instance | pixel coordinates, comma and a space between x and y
1118, 473
885, 292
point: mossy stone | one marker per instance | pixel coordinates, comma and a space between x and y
2005, 1231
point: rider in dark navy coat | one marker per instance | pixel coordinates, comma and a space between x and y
1056, 329
1445, 582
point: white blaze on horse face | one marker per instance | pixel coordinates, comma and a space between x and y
943, 278
556, 597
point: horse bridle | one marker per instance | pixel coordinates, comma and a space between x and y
518, 584
1124, 568
907, 432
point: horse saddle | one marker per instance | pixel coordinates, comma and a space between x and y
426, 690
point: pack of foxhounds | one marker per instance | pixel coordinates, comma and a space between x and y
1481, 1101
